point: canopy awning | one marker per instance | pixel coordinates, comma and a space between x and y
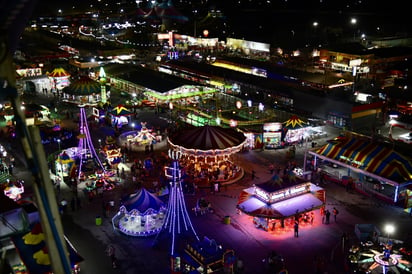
364, 154
253, 205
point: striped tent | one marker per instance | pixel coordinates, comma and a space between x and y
371, 157
294, 122
59, 72
83, 86
208, 140
143, 201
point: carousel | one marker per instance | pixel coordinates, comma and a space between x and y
142, 214
111, 152
83, 90
207, 154
138, 138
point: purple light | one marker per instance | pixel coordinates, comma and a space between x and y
86, 144
177, 217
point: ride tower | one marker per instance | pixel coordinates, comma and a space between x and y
177, 220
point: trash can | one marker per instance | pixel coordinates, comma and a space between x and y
227, 220
98, 220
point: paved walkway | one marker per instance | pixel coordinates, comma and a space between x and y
318, 245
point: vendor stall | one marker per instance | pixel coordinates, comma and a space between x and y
280, 199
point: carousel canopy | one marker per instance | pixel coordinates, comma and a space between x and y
208, 140
294, 122
59, 72
142, 201
120, 110
83, 86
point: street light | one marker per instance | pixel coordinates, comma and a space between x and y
58, 142
353, 21
389, 228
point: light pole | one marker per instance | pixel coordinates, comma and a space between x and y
353, 21
58, 142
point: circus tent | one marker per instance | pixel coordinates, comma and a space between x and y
373, 158
60, 77
208, 140
294, 129
120, 110
59, 72
142, 201
120, 116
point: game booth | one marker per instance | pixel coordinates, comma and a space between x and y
281, 200
141, 214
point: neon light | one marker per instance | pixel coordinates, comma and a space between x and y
177, 217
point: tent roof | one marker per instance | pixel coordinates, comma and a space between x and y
208, 138
59, 72
250, 204
369, 156
83, 86
142, 200
120, 110
294, 122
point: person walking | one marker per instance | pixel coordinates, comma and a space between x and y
335, 213
296, 228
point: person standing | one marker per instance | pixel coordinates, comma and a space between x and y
335, 213
296, 228
327, 215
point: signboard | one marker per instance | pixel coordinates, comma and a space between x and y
272, 127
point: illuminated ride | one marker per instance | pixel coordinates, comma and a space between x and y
84, 91
377, 260
88, 166
111, 152
141, 214
207, 153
